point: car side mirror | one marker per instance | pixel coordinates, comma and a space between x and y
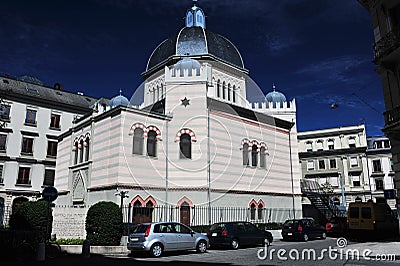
191, 233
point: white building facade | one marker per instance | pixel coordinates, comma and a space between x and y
194, 142
33, 116
344, 161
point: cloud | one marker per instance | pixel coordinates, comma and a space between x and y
338, 69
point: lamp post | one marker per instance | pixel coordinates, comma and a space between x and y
123, 194
342, 186
291, 170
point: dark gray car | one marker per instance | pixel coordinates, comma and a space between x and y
159, 237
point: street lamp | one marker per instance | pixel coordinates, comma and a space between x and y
342, 185
123, 194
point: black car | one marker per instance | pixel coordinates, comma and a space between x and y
336, 226
235, 234
302, 229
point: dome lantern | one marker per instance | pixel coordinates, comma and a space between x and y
195, 17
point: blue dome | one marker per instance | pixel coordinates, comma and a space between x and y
119, 100
276, 98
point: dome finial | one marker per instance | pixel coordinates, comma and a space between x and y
120, 92
273, 86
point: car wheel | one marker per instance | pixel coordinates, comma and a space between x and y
201, 246
305, 237
156, 250
323, 235
234, 243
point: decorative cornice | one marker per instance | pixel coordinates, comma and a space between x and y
197, 189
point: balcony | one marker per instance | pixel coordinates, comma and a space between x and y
386, 45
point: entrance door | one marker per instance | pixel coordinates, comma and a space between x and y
185, 213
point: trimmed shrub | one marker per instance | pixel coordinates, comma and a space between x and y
70, 241
104, 224
32, 215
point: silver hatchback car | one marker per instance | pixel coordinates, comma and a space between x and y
159, 237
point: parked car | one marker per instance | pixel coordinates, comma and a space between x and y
336, 226
235, 234
302, 229
158, 238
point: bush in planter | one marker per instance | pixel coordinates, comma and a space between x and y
32, 216
104, 224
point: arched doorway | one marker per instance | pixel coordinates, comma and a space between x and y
185, 213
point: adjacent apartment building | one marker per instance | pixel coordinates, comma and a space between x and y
385, 16
380, 169
346, 162
32, 117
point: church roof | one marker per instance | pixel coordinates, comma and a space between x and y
192, 41
195, 40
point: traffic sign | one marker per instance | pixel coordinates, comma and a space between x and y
49, 194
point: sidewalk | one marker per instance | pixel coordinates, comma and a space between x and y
378, 250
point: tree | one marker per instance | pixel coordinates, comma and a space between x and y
32, 215
104, 224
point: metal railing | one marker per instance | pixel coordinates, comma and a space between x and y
198, 215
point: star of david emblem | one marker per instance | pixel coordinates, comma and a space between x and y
185, 102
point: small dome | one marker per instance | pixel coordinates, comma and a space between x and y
275, 97
119, 100
191, 65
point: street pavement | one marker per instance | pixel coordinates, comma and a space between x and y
342, 252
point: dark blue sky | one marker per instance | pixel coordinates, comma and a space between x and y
316, 51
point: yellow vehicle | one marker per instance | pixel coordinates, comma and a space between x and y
376, 218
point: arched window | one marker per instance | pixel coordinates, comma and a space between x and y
234, 94
218, 88
229, 92
245, 154
87, 148
254, 155
152, 143
259, 211
149, 210
75, 149
185, 146
81, 148
252, 211
262, 157
138, 141
223, 90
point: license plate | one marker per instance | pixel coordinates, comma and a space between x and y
135, 239
214, 234
289, 234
